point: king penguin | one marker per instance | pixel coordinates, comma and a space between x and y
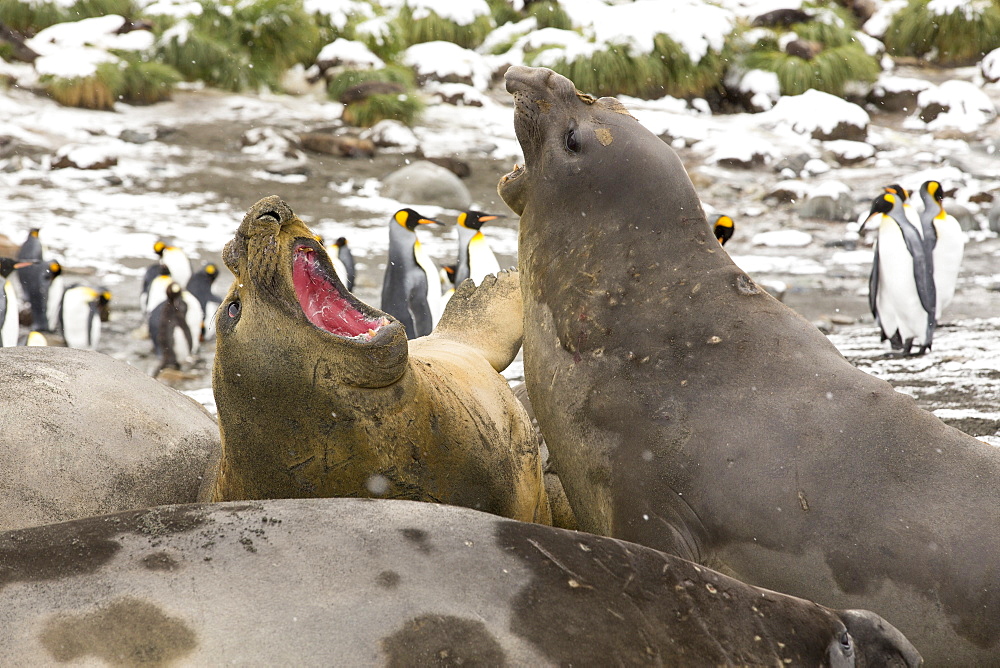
172, 336
908, 211
347, 259
723, 228
411, 288
200, 286
901, 287
83, 311
9, 320
475, 258
177, 264
944, 240
160, 291
36, 279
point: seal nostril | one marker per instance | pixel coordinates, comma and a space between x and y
270, 214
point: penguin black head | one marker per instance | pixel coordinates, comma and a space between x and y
9, 264
723, 229
54, 269
104, 304
174, 291
340, 242
896, 189
211, 270
449, 271
883, 203
409, 219
33, 232
159, 247
474, 220
935, 190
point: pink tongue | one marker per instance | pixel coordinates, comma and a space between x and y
322, 303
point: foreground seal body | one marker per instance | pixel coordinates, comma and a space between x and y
84, 434
371, 582
320, 394
791, 469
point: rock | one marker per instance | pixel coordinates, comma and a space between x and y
989, 66
446, 62
389, 133
757, 90
829, 200
805, 49
459, 168
423, 182
795, 163
893, 93
342, 145
347, 54
994, 218
737, 150
80, 156
85, 434
459, 95
955, 104
137, 136
850, 152
782, 18
788, 191
822, 116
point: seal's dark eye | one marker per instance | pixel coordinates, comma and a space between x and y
234, 309
573, 140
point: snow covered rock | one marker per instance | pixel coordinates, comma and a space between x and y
348, 54
459, 95
423, 182
849, 152
821, 115
737, 149
758, 90
790, 190
989, 66
448, 63
392, 134
894, 93
955, 104
79, 156
829, 200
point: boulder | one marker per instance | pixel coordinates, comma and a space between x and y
85, 434
423, 182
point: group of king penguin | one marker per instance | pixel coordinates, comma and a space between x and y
74, 312
915, 267
178, 305
414, 291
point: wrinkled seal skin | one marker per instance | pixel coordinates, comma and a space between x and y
306, 413
360, 582
687, 410
83, 434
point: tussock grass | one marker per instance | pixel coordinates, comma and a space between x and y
434, 27
404, 108
952, 39
350, 78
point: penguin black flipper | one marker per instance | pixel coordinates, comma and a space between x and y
396, 298
873, 291
923, 269
344, 255
419, 308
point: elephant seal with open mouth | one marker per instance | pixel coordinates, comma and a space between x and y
319, 394
687, 410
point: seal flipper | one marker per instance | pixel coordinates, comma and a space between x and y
488, 318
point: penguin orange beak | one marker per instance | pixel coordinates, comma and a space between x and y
21, 265
429, 221
486, 219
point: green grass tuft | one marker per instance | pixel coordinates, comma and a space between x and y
433, 28
550, 15
404, 108
350, 78
243, 45
145, 82
829, 71
953, 39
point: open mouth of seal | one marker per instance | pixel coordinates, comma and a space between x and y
324, 304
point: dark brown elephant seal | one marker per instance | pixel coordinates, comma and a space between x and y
360, 582
84, 434
319, 394
689, 411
